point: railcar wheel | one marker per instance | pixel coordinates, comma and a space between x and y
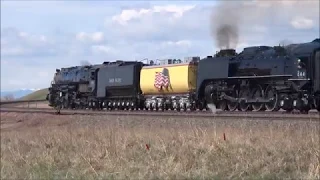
272, 95
287, 103
244, 94
257, 93
201, 106
232, 106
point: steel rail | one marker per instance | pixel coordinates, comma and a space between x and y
262, 116
21, 101
233, 113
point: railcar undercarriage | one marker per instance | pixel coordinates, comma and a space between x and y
179, 102
241, 95
253, 95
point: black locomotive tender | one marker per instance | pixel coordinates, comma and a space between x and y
258, 78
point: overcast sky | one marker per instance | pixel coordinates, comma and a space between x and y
38, 37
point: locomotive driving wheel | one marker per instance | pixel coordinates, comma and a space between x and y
272, 95
257, 93
244, 94
232, 106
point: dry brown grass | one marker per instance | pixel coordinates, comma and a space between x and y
95, 147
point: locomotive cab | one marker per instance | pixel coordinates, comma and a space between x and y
307, 63
308, 68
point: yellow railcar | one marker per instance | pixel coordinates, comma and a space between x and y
168, 79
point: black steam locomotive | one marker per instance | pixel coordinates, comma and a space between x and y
72, 87
82, 87
262, 78
257, 79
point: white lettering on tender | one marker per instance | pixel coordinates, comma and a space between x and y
115, 80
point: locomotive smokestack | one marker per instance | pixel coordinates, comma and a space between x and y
285, 42
226, 52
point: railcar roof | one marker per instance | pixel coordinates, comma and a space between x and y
167, 65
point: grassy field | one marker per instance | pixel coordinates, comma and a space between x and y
37, 95
96, 147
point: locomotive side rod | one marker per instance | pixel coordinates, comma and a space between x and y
238, 100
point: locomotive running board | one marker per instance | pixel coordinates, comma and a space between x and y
266, 76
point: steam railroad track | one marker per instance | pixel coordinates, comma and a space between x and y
312, 116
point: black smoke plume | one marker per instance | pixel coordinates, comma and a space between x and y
235, 21
226, 35
224, 25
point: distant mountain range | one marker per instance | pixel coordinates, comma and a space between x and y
18, 93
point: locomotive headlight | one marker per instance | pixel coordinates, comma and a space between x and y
92, 83
300, 64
